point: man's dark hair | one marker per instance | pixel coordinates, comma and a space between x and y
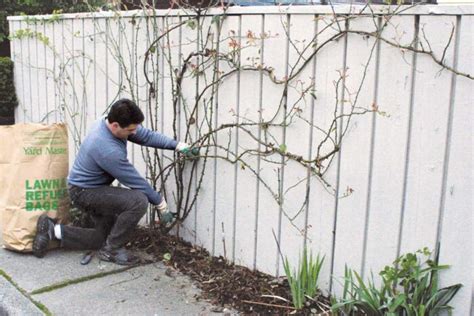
125, 112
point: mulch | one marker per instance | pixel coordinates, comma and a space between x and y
221, 282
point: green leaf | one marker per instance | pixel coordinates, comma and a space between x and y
216, 19
421, 310
283, 148
191, 24
442, 297
167, 256
399, 300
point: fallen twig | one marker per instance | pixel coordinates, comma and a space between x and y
268, 304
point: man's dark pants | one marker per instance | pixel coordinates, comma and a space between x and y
115, 212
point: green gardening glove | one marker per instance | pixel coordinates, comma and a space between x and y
166, 217
187, 150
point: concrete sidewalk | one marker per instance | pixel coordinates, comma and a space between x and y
59, 285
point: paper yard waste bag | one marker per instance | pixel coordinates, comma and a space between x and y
33, 171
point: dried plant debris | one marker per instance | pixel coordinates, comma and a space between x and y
222, 283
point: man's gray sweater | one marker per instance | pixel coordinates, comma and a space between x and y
102, 158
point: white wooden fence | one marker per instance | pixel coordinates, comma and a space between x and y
402, 180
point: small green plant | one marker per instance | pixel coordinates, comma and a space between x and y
361, 298
304, 282
417, 281
408, 287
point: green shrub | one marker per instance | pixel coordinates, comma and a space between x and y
32, 7
8, 100
408, 287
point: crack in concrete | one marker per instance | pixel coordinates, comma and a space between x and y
62, 284
42, 307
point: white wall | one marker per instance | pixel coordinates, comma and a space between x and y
409, 169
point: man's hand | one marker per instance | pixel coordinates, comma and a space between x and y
166, 217
187, 150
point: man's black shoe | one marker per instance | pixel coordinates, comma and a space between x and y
118, 255
44, 233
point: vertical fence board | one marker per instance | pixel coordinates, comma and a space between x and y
456, 234
204, 123
26, 104
271, 171
139, 45
40, 78
329, 60
185, 44
186, 106
27, 42
389, 145
172, 48
81, 79
73, 82
355, 153
146, 32
88, 77
226, 114
149, 101
55, 70
113, 51
49, 65
35, 67
247, 212
299, 112
213, 121
66, 75
61, 75
77, 87
128, 70
99, 39
241, 40
430, 112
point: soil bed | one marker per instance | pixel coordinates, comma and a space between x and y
222, 283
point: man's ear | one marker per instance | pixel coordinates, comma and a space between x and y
115, 125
